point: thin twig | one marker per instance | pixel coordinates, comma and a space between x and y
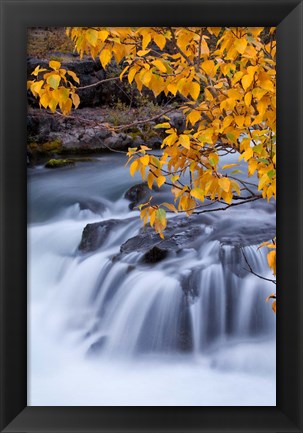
254, 273
97, 84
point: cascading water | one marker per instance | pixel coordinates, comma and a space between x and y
108, 327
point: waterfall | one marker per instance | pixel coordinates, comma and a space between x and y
200, 304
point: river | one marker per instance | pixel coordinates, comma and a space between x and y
190, 330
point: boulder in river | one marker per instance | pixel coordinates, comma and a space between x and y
95, 234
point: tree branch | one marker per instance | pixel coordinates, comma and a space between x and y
254, 273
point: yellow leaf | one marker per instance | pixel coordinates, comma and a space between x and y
152, 217
142, 53
161, 217
263, 245
76, 100
146, 40
54, 80
237, 77
66, 107
160, 65
37, 71
160, 40
53, 105
165, 125
170, 206
262, 106
61, 94
123, 72
133, 167
236, 187
227, 196
258, 93
92, 36
102, 35
173, 88
45, 100
132, 73
271, 259
160, 180
240, 45
224, 183
267, 85
144, 160
194, 90
185, 141
146, 77
198, 193
228, 166
105, 57
227, 121
170, 139
36, 86
247, 80
252, 166
274, 306
74, 76
208, 67
239, 121
54, 65
193, 117
247, 99
150, 180
119, 52
263, 181
215, 30
247, 154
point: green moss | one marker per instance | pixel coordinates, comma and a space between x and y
57, 163
50, 146
57, 58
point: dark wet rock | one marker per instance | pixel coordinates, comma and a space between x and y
95, 234
140, 193
246, 232
180, 233
232, 258
190, 284
94, 206
186, 233
154, 255
137, 194
118, 141
185, 330
178, 121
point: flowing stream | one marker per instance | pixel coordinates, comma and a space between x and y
107, 329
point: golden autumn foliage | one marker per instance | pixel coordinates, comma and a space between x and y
225, 79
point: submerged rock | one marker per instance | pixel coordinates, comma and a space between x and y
137, 194
94, 235
154, 255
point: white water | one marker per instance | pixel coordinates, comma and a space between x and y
192, 330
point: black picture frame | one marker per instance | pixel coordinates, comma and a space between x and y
16, 16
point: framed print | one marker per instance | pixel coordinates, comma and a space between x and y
113, 324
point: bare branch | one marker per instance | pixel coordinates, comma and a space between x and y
98, 83
254, 273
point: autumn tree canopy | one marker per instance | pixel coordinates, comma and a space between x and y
225, 80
